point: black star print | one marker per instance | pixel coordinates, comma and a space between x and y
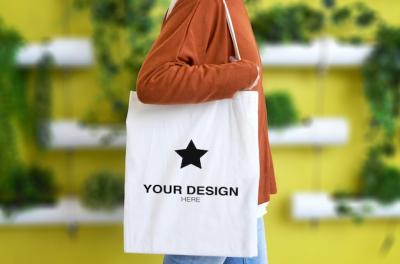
191, 155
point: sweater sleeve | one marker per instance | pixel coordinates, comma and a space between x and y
172, 72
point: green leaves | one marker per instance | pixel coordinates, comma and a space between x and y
365, 16
122, 37
379, 180
301, 23
381, 73
13, 105
329, 3
359, 13
20, 186
103, 190
281, 110
340, 15
26, 186
294, 23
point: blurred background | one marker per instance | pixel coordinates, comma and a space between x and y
332, 87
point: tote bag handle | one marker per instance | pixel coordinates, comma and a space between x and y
228, 20
232, 31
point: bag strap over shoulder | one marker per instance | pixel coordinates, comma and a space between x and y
232, 31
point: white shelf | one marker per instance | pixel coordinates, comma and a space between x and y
66, 53
323, 52
318, 132
320, 205
70, 134
66, 211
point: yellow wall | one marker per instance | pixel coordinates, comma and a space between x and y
296, 168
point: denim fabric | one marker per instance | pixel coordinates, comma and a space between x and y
260, 259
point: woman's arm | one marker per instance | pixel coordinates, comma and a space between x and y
171, 73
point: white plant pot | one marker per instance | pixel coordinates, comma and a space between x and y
321, 52
66, 53
70, 134
319, 131
68, 210
320, 205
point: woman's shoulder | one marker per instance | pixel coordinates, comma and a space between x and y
203, 11
207, 4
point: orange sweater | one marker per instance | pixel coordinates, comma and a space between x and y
189, 63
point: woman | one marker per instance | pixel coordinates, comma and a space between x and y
191, 62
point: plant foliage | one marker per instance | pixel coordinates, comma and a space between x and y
381, 74
281, 110
121, 36
103, 190
300, 22
20, 186
293, 23
13, 104
381, 82
25, 187
379, 180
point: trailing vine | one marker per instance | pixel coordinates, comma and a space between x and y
21, 185
381, 74
381, 81
13, 104
122, 37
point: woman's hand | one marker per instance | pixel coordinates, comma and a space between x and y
254, 84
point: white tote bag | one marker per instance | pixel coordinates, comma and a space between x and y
191, 176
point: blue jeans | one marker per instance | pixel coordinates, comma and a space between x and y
260, 259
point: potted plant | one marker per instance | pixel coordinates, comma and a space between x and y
300, 35
281, 109
103, 190
286, 128
26, 187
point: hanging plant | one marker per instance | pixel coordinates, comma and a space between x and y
122, 37
381, 78
13, 103
17, 110
20, 186
378, 181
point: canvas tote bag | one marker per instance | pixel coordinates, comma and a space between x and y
191, 176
